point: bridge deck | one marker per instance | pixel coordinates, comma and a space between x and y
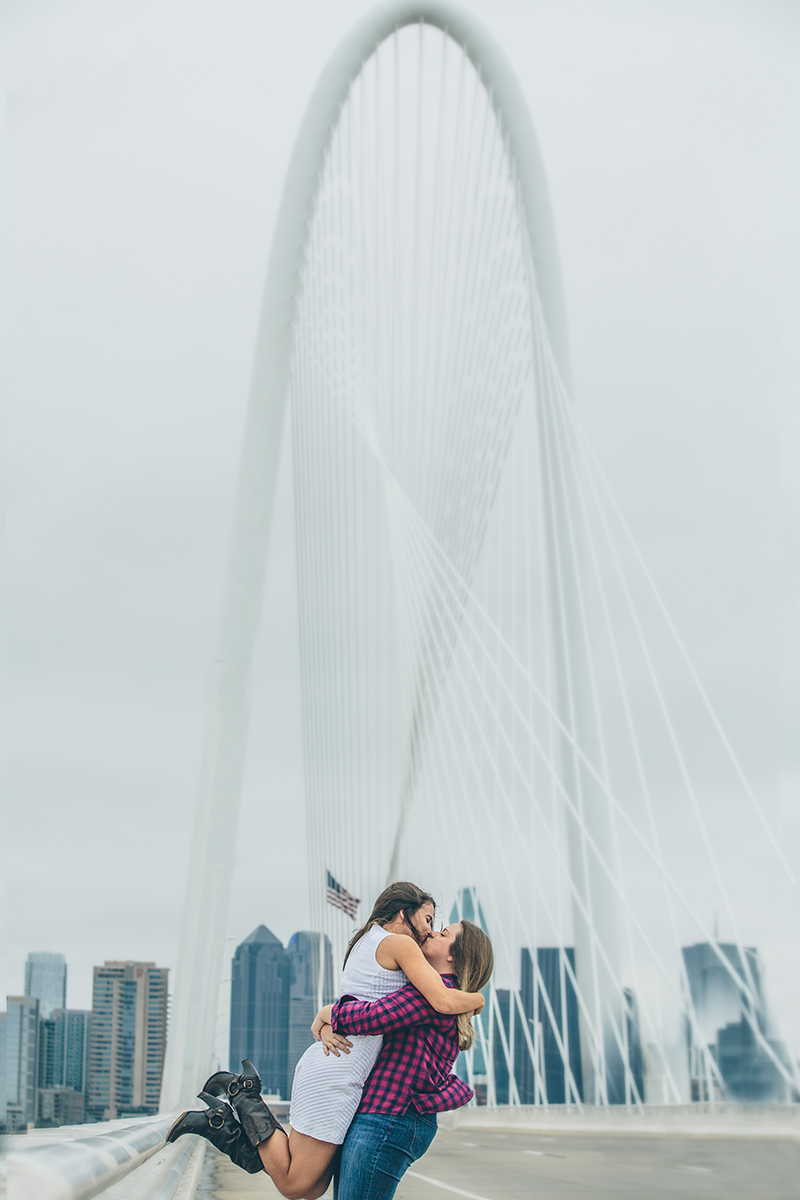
513, 1165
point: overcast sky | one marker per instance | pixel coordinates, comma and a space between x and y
147, 146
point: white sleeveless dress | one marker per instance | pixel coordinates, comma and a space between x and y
326, 1091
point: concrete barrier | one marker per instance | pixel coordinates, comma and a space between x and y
683, 1120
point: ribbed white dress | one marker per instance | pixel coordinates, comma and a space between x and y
326, 1091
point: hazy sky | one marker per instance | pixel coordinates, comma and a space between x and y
147, 146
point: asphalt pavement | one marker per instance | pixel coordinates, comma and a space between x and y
514, 1165
519, 1166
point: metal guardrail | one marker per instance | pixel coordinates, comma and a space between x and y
76, 1167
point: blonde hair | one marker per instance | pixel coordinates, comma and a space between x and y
473, 963
397, 898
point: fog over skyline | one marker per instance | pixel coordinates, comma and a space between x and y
147, 148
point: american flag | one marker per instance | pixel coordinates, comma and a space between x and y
339, 898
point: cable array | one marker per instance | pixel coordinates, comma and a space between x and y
483, 650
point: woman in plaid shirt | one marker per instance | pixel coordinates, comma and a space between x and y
412, 1079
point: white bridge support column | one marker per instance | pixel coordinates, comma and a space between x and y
594, 908
199, 968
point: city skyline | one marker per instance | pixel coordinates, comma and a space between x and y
64, 1076
65, 1066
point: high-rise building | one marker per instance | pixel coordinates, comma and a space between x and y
716, 995
63, 1065
467, 907
524, 1036
726, 1018
46, 1065
46, 978
502, 1054
73, 1039
260, 986
22, 1046
310, 986
64, 1049
557, 985
634, 1037
128, 1039
556, 989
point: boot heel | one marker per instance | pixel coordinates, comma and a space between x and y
174, 1131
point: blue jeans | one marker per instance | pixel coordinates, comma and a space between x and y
378, 1150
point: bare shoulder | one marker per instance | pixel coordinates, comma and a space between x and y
395, 950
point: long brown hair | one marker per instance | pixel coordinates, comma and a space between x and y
473, 963
405, 898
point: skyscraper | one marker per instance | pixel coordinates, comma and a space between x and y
73, 1039
555, 989
523, 1063
634, 1036
46, 979
556, 983
128, 1039
311, 964
501, 1062
63, 1065
726, 1018
260, 985
467, 907
46, 1065
22, 1046
716, 995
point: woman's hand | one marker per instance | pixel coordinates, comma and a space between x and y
323, 1017
333, 1043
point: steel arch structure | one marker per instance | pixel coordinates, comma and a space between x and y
191, 1042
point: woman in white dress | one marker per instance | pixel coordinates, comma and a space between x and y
382, 957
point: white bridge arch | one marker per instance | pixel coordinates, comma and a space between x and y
584, 789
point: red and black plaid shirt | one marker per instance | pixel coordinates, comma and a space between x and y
419, 1048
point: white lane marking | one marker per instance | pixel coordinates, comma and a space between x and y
472, 1145
690, 1168
539, 1152
447, 1186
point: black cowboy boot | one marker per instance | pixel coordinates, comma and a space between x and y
218, 1125
244, 1093
225, 1083
258, 1122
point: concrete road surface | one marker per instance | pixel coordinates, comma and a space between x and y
498, 1165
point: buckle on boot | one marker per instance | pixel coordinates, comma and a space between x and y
234, 1087
217, 1112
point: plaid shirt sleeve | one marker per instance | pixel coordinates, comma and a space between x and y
398, 1010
